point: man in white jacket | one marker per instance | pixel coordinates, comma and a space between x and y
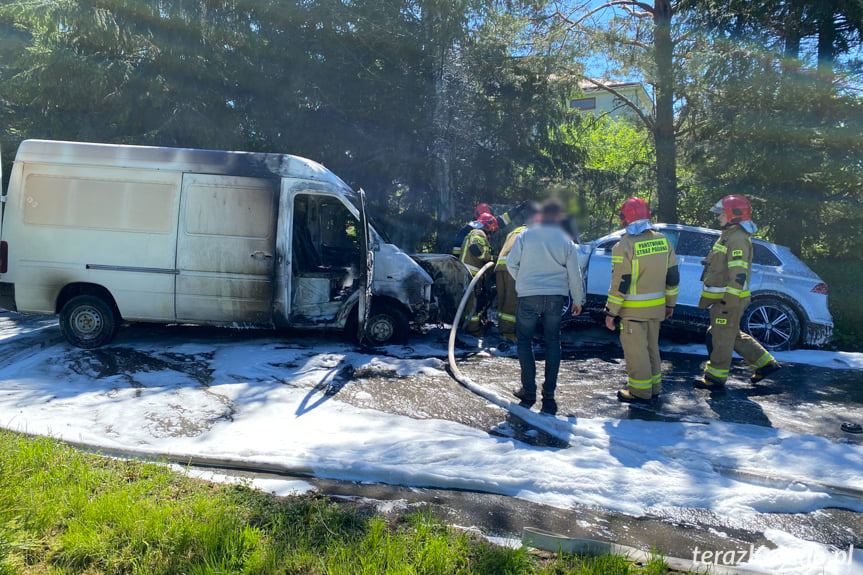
544, 263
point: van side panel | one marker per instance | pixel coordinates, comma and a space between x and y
226, 250
111, 227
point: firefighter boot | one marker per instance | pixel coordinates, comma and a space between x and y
763, 372
707, 382
626, 396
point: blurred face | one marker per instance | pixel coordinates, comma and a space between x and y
722, 218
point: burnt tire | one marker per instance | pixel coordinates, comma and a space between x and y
88, 321
387, 326
773, 323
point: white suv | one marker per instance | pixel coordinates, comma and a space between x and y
789, 301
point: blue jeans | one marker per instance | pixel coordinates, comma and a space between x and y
530, 310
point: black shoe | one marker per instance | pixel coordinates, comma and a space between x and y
704, 383
763, 372
626, 396
525, 397
549, 407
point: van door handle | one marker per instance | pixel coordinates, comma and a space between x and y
259, 255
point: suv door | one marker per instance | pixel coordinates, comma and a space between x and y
692, 247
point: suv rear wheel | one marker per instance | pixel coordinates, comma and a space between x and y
772, 322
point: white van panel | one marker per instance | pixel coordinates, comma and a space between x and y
83, 220
226, 249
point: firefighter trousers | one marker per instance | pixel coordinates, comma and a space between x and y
724, 338
640, 342
507, 302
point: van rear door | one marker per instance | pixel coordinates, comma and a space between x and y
226, 250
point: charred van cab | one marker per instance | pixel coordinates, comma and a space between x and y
102, 233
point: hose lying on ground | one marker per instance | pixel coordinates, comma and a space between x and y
555, 427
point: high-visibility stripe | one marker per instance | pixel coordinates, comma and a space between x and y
616, 260
738, 264
718, 373
762, 361
456, 251
720, 248
644, 296
657, 378
672, 291
633, 300
711, 292
738, 292
640, 384
473, 269
501, 260
615, 299
644, 303
635, 274
505, 316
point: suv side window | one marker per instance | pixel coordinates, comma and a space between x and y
608, 244
762, 255
673, 237
695, 244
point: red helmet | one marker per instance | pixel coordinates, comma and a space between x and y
481, 209
634, 209
489, 222
736, 208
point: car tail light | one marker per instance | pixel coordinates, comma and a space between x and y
4, 257
820, 288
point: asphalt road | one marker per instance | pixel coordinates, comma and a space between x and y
800, 398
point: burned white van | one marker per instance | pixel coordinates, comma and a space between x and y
102, 233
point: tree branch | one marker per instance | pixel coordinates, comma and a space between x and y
625, 4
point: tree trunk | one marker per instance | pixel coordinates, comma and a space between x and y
826, 23
663, 132
440, 152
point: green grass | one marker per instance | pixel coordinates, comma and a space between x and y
845, 284
65, 511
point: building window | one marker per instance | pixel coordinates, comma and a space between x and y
583, 104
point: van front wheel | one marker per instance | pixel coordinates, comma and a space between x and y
387, 326
88, 321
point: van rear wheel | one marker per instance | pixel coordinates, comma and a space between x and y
88, 321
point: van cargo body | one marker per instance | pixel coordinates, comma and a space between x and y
101, 233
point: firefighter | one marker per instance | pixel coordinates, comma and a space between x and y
643, 292
507, 299
503, 220
476, 251
726, 292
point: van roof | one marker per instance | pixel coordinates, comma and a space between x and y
251, 164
